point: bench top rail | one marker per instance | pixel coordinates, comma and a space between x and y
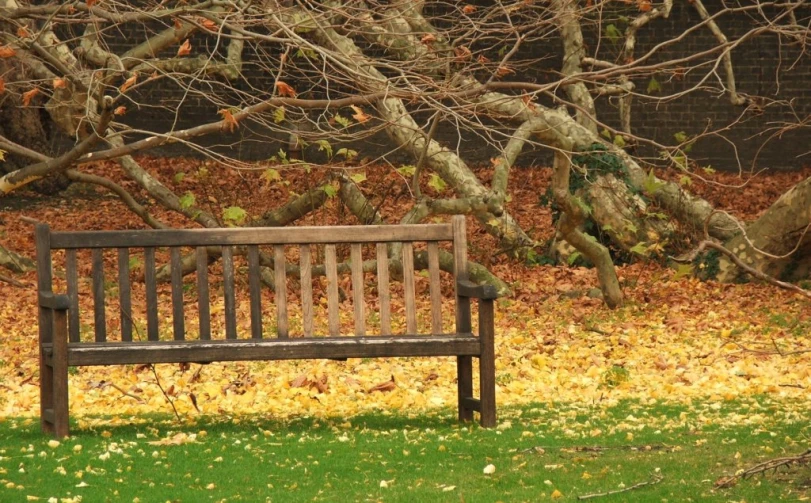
251, 236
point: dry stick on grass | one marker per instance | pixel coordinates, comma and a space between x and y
772, 464
655, 480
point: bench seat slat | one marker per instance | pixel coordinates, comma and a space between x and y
251, 236
116, 353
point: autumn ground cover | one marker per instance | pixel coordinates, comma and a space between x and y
565, 363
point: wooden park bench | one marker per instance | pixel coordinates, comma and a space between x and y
64, 340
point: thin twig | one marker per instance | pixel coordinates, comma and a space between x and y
655, 480
152, 367
13, 281
771, 464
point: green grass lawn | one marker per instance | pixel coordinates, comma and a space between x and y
553, 452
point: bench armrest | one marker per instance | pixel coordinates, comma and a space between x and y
471, 290
50, 300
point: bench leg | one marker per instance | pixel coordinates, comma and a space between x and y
487, 365
464, 378
46, 394
60, 374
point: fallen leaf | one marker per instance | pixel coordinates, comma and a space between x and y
207, 24
285, 89
359, 115
23, 32
184, 49
469, 9
385, 386
6, 51
129, 83
428, 39
29, 95
60, 83
2, 85
120, 110
229, 120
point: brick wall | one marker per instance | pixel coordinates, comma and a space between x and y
763, 68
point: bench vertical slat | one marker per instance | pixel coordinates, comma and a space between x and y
72, 277
255, 291
151, 285
100, 321
383, 293
305, 263
228, 292
464, 364
280, 276
42, 238
178, 320
203, 301
434, 286
356, 257
125, 294
331, 264
408, 288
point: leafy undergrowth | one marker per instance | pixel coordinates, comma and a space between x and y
647, 451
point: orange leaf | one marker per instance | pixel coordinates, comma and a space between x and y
184, 49
644, 5
178, 24
462, 53
6, 51
2, 85
285, 89
90, 3
120, 110
482, 59
428, 39
469, 9
359, 115
503, 71
23, 32
208, 24
60, 84
129, 83
229, 120
495, 161
29, 95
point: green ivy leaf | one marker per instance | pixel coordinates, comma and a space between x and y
271, 175
685, 180
178, 176
325, 146
348, 153
407, 170
683, 270
234, 215
573, 258
278, 115
613, 33
187, 201
605, 133
680, 137
654, 86
437, 183
329, 190
650, 186
358, 178
640, 249
619, 141
343, 121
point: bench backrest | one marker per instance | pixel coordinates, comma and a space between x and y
434, 247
